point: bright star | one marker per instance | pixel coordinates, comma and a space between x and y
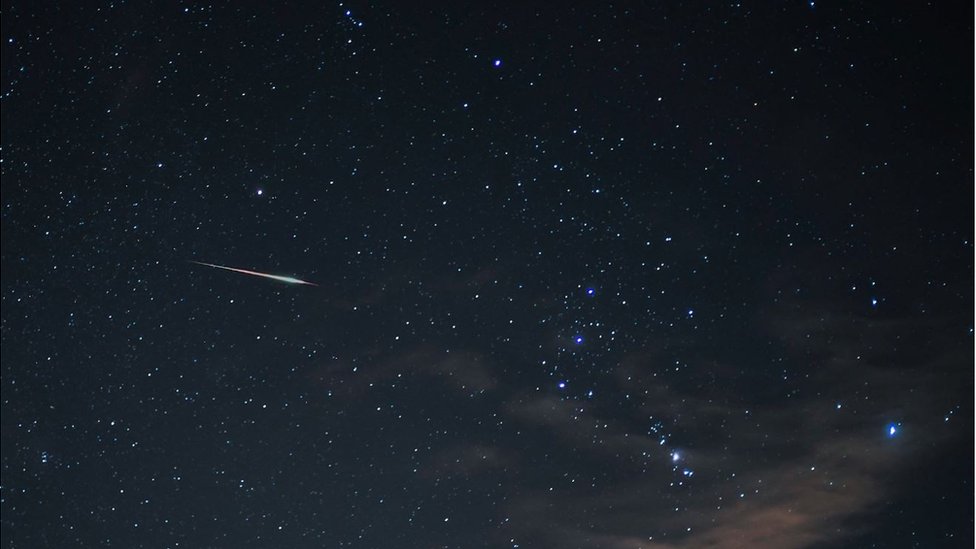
497, 63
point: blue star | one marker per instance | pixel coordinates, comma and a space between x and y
591, 292
578, 340
496, 63
892, 430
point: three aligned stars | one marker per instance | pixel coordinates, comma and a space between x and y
892, 429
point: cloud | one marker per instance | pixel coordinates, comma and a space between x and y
789, 471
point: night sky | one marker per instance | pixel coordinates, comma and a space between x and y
623, 276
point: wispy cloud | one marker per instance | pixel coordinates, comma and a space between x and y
795, 471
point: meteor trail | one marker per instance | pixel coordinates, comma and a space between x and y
285, 279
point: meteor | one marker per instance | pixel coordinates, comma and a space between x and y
285, 279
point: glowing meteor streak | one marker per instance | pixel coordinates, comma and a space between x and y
285, 279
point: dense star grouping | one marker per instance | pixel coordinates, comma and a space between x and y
610, 276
